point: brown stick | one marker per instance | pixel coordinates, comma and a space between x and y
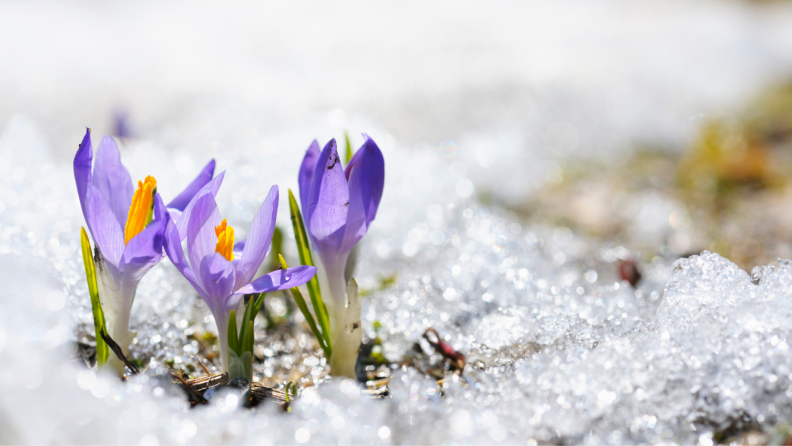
117, 350
198, 397
201, 364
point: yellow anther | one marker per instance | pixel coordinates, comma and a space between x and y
225, 240
139, 211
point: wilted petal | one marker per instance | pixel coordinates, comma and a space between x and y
259, 238
183, 199
201, 237
366, 181
279, 280
328, 200
210, 188
112, 179
82, 168
217, 276
305, 178
145, 249
105, 229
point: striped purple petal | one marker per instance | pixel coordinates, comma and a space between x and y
307, 168
183, 199
83, 162
328, 201
112, 179
105, 228
201, 237
279, 280
259, 239
211, 188
145, 249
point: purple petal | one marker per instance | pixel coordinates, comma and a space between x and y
175, 214
105, 229
217, 276
279, 280
82, 168
201, 237
112, 179
328, 200
258, 239
173, 249
366, 181
145, 249
210, 188
183, 199
307, 169
239, 247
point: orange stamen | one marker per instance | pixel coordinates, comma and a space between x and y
225, 240
142, 203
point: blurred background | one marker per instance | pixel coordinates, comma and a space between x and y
665, 126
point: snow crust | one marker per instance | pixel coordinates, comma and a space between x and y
559, 349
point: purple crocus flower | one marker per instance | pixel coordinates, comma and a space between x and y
339, 205
127, 245
221, 275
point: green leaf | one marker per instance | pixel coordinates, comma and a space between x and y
300, 300
348, 148
246, 317
233, 341
102, 350
304, 249
246, 338
258, 304
240, 366
298, 297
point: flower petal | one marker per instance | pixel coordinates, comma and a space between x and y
328, 200
217, 276
112, 179
145, 249
201, 237
279, 280
173, 248
82, 168
307, 169
210, 188
105, 229
366, 182
183, 199
258, 239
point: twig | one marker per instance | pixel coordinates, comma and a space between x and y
117, 350
201, 364
200, 398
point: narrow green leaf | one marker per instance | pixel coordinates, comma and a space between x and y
250, 338
102, 350
257, 305
233, 341
304, 249
240, 366
247, 316
348, 148
300, 300
246, 338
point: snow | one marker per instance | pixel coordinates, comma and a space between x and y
558, 348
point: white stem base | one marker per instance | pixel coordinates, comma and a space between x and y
346, 346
